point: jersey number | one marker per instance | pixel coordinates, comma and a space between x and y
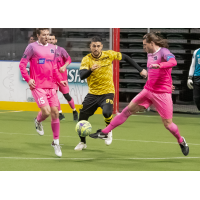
41, 100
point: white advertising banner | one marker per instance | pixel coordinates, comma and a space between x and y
14, 88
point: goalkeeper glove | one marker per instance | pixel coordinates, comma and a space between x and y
190, 83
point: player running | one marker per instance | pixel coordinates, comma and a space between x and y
63, 60
157, 90
194, 75
41, 56
97, 68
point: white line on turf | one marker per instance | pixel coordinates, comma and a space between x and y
21, 158
113, 139
12, 111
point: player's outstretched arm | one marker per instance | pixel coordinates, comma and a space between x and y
129, 60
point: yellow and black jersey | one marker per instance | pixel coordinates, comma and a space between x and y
101, 80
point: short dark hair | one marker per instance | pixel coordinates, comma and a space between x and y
52, 35
38, 31
96, 39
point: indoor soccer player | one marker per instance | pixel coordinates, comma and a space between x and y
194, 75
157, 90
31, 39
63, 60
41, 56
97, 68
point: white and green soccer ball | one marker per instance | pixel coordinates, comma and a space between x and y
83, 128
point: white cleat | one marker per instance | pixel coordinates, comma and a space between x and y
80, 146
57, 149
39, 127
108, 141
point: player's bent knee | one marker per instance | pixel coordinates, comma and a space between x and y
45, 111
54, 113
167, 123
133, 107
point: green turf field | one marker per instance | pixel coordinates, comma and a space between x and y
141, 144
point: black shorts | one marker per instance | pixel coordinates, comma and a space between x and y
92, 102
196, 91
196, 94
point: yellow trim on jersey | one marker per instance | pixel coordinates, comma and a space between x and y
101, 80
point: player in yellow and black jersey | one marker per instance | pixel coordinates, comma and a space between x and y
97, 68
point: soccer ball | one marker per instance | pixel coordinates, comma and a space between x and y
83, 128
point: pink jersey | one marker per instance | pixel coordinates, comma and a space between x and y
42, 65
61, 58
160, 80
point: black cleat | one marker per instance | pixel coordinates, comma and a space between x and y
184, 147
61, 117
75, 115
99, 135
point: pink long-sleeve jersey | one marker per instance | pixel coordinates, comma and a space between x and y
43, 68
61, 58
160, 80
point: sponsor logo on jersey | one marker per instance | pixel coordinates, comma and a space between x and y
199, 61
52, 50
155, 58
41, 61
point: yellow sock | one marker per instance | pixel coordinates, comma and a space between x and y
108, 120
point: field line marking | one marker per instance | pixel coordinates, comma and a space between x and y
169, 158
12, 111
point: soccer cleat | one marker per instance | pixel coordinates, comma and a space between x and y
184, 147
39, 127
57, 149
75, 115
80, 146
108, 141
99, 135
61, 117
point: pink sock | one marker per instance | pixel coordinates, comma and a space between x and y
118, 120
59, 108
173, 128
55, 125
71, 103
40, 118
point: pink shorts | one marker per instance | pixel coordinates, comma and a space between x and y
162, 102
44, 97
